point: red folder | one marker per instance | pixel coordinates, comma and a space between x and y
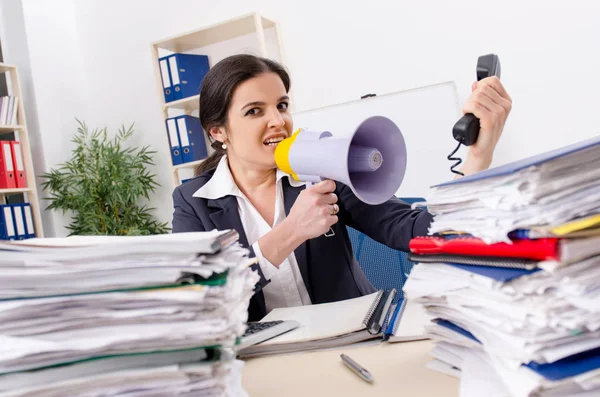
7, 173
541, 249
17, 156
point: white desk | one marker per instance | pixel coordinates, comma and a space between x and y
398, 369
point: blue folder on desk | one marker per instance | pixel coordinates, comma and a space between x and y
513, 167
187, 73
496, 273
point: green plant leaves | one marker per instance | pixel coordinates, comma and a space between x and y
102, 185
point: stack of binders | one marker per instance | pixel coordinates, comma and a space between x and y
16, 222
182, 75
510, 274
186, 139
12, 168
114, 316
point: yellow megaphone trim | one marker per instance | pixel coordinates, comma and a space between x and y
282, 155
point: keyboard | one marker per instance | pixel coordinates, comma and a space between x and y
257, 327
258, 332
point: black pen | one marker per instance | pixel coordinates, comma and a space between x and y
357, 368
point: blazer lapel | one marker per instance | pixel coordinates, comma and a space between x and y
225, 215
290, 194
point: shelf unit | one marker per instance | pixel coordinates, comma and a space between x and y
22, 135
217, 41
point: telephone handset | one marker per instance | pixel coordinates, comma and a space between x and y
466, 130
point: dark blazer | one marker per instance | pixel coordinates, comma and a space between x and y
327, 264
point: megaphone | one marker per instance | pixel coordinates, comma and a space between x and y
372, 161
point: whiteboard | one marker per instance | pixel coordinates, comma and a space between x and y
425, 116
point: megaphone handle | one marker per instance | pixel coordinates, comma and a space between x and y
330, 232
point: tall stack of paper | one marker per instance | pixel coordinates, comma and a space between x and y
511, 276
543, 191
116, 316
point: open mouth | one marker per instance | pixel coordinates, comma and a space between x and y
273, 141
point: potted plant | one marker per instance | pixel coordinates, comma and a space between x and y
104, 184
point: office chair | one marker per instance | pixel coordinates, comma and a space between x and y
386, 268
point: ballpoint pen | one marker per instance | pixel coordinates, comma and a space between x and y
357, 368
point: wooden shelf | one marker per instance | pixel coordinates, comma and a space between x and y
6, 68
191, 164
11, 128
220, 33
14, 89
187, 104
5, 192
216, 33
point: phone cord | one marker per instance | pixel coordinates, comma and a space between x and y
457, 159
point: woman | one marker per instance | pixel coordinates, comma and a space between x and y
244, 109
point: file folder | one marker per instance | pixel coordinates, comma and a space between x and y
191, 138
7, 225
176, 155
165, 76
540, 249
7, 173
187, 73
17, 155
19, 222
29, 225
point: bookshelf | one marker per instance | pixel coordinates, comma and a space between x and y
251, 33
22, 135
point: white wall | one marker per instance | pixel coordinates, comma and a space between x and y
91, 59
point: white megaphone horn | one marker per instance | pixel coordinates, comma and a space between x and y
372, 161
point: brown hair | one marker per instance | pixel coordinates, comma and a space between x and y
217, 90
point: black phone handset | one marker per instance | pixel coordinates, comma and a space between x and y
466, 130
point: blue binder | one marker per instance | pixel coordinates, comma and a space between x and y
513, 167
187, 73
19, 221
191, 138
174, 143
165, 75
7, 224
29, 225
496, 273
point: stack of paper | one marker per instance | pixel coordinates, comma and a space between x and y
543, 191
511, 277
135, 316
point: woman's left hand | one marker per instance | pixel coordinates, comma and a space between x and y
491, 104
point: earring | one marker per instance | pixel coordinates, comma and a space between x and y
283, 123
224, 146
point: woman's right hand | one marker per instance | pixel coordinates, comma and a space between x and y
314, 211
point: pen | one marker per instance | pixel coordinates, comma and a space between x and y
357, 368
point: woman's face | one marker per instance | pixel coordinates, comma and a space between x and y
258, 119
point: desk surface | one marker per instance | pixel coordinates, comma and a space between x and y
398, 369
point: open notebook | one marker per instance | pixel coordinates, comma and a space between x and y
342, 323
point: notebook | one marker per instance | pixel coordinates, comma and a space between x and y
335, 324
